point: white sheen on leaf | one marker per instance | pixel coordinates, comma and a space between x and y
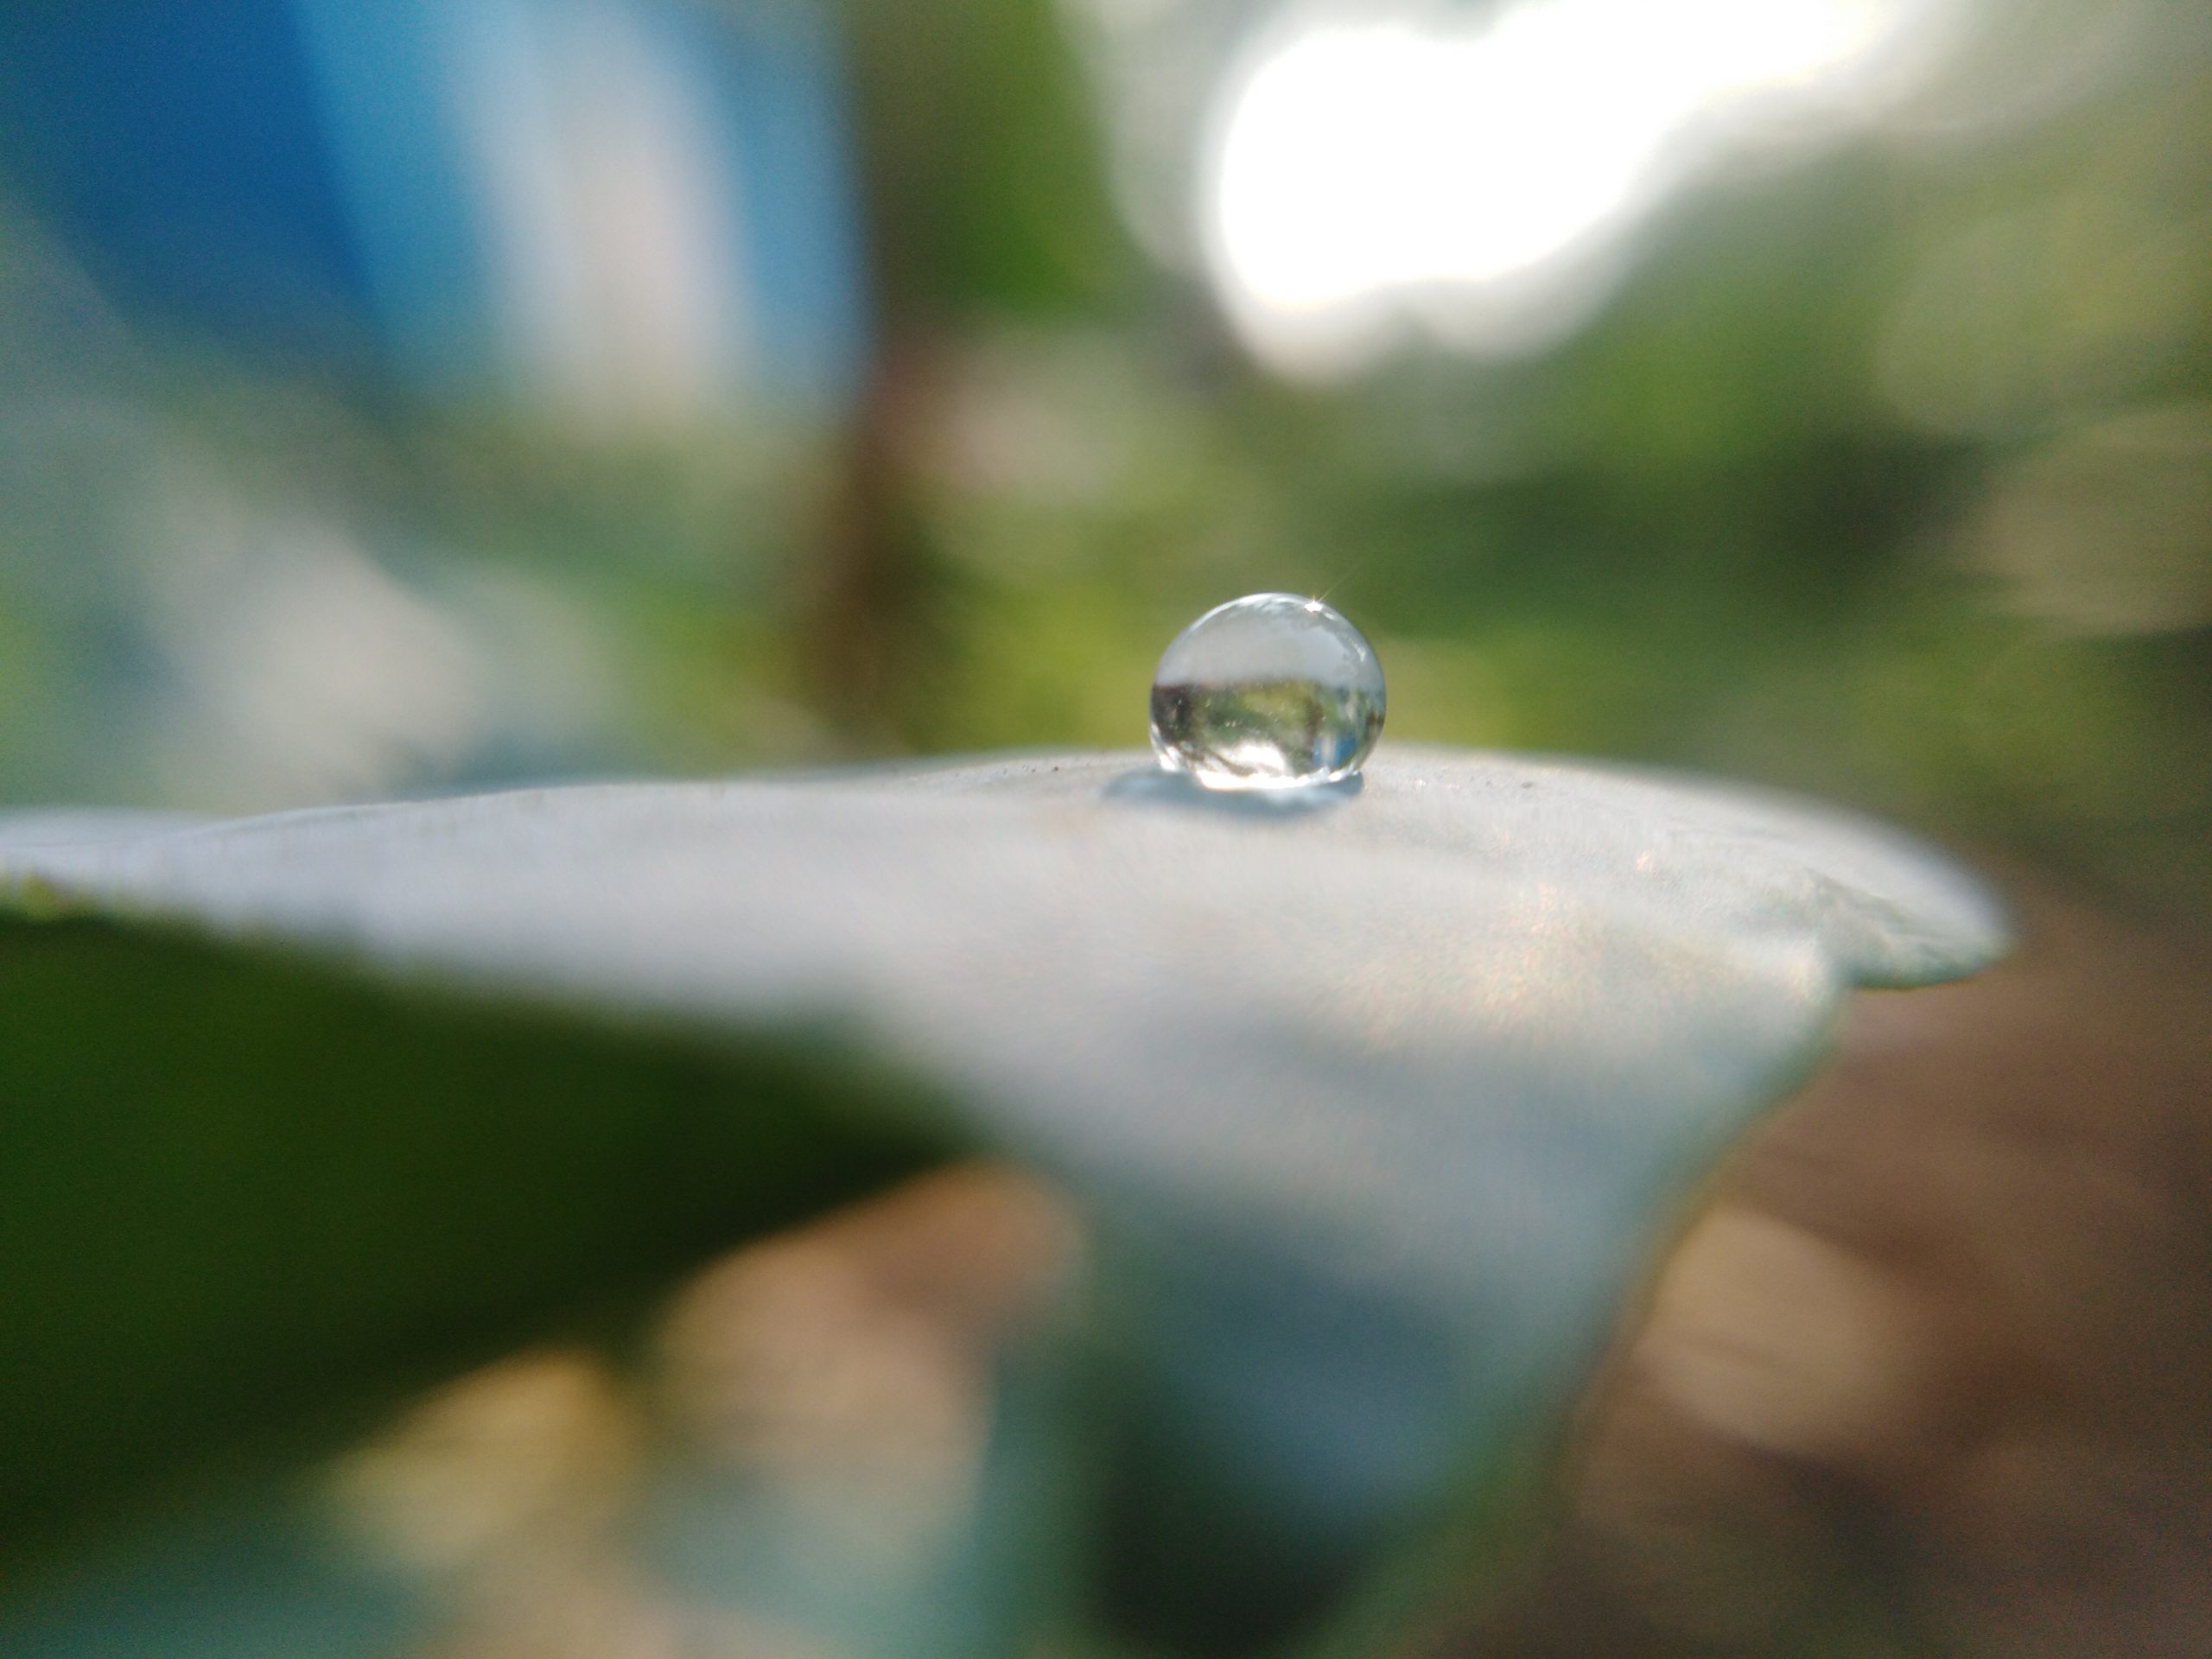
1423, 1059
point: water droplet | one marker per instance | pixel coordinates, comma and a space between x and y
1269, 691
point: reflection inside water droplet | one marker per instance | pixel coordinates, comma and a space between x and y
1269, 691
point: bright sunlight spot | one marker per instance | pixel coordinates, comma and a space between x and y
1474, 180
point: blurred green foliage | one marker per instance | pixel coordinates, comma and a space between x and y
1762, 515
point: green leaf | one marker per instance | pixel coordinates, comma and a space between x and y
1380, 1096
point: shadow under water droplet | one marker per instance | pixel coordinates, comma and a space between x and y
1157, 786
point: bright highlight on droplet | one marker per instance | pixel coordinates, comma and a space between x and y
1269, 691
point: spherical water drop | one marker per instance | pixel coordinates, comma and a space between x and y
1269, 691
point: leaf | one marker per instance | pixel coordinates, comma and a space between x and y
1380, 1094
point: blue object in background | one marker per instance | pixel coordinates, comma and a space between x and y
179, 152
620, 210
